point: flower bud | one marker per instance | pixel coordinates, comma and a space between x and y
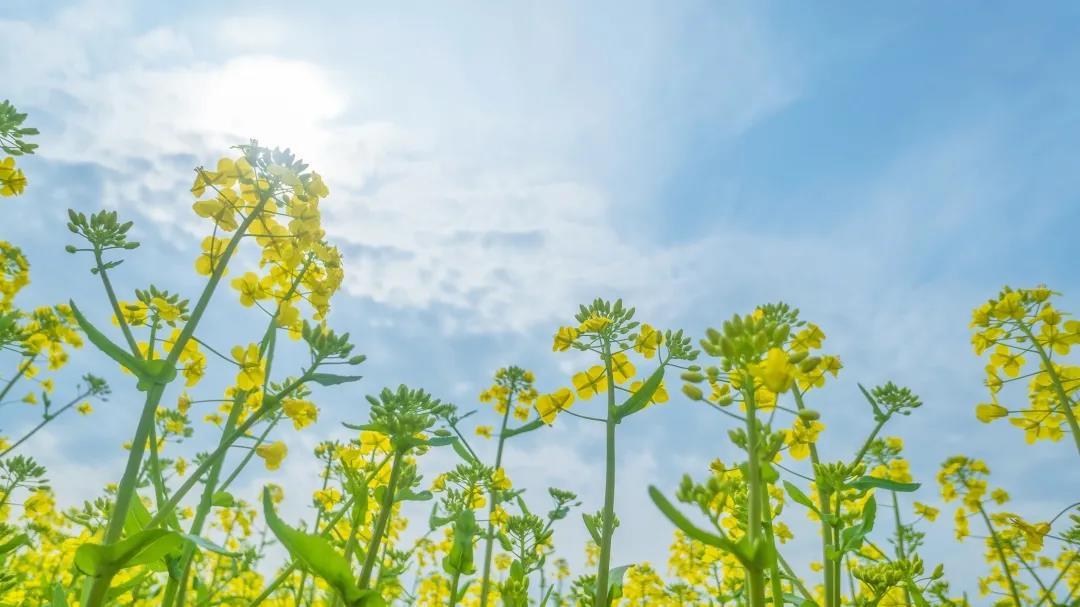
693, 392
713, 335
809, 415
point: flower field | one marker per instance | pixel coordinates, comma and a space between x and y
173, 529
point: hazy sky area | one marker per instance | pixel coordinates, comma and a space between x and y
883, 167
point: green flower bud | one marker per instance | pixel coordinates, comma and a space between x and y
693, 392
713, 335
693, 377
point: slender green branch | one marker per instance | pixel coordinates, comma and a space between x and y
489, 540
381, 523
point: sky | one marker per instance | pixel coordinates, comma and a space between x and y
885, 168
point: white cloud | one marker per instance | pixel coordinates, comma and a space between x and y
460, 181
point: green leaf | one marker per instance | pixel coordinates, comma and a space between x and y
459, 561
59, 597
137, 516
800, 497
615, 581
14, 543
879, 415
464, 453
319, 557
222, 499
852, 537
330, 379
408, 495
867, 482
206, 544
435, 521
638, 400
916, 594
529, 427
795, 599
590, 524
141, 548
158, 372
127, 585
740, 551
110, 349
440, 441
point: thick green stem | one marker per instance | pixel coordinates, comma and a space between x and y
125, 492
1001, 557
608, 523
454, 581
381, 523
100, 585
753, 520
489, 541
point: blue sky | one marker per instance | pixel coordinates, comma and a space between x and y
884, 168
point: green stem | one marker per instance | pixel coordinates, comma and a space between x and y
1055, 379
270, 403
385, 509
42, 424
206, 501
99, 586
826, 513
489, 541
604, 562
284, 575
1001, 556
454, 581
794, 578
249, 455
774, 567
18, 375
900, 552
299, 592
753, 521
115, 303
